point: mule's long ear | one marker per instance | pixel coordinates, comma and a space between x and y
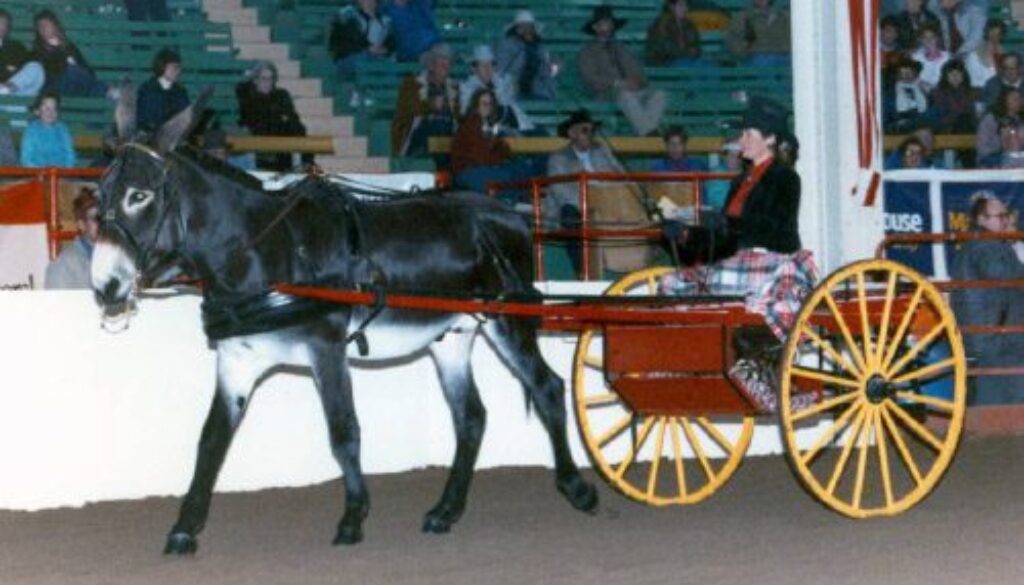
177, 129
124, 113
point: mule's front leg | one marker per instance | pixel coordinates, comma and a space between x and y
335, 387
213, 445
237, 372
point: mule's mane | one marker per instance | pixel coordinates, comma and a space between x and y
218, 167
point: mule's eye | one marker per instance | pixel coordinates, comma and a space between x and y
136, 200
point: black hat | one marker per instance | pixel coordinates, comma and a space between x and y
600, 13
768, 116
578, 117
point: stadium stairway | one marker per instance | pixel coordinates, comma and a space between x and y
252, 41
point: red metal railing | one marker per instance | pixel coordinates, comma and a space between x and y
586, 233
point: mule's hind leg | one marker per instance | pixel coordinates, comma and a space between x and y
515, 340
330, 369
452, 357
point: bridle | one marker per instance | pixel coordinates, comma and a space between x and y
108, 213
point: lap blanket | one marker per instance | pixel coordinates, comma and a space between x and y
774, 285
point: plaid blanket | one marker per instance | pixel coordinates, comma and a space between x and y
774, 285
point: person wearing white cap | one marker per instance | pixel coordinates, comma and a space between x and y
509, 115
521, 55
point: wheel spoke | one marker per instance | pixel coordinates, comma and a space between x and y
901, 447
926, 371
916, 349
890, 295
634, 448
823, 406
823, 376
652, 285
601, 399
855, 431
677, 448
717, 435
862, 460
831, 352
883, 458
827, 436
847, 336
865, 324
908, 316
659, 440
936, 403
615, 430
914, 426
594, 361
698, 450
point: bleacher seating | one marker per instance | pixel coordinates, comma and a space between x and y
118, 49
700, 98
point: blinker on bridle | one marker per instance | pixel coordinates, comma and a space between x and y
108, 214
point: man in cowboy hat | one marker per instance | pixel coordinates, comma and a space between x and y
510, 115
610, 71
427, 104
521, 55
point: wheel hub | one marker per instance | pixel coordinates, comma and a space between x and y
879, 389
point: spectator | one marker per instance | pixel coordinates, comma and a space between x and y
67, 72
151, 10
673, 39
1009, 78
610, 71
508, 113
47, 141
582, 154
998, 126
161, 96
912, 19
907, 102
479, 153
951, 104
910, 154
267, 110
963, 25
414, 28
991, 260
427, 104
889, 43
760, 34
982, 62
931, 56
677, 160
19, 74
8, 152
360, 32
72, 268
730, 161
522, 56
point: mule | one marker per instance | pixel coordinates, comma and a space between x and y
164, 202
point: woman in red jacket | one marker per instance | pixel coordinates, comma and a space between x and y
480, 154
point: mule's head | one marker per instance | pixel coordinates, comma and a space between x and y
140, 213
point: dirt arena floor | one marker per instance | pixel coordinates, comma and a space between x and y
760, 529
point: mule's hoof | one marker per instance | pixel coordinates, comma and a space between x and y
348, 535
180, 544
581, 494
436, 525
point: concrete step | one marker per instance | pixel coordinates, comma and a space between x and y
271, 51
222, 5
300, 87
337, 126
236, 16
336, 164
250, 34
314, 107
350, 147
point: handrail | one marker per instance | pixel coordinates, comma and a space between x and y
319, 144
586, 233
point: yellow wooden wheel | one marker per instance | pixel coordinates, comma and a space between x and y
657, 460
875, 336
